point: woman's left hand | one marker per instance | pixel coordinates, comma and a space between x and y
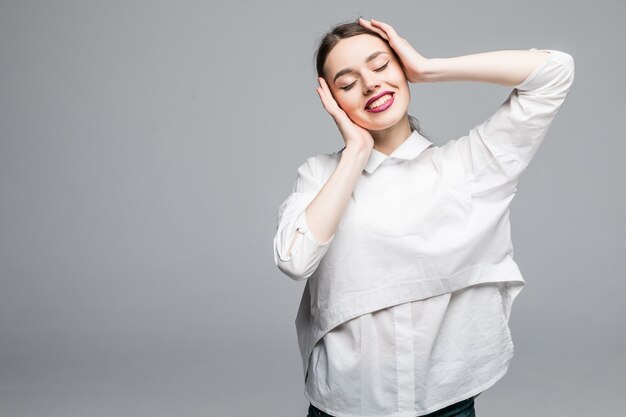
412, 62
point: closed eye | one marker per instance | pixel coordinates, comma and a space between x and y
346, 88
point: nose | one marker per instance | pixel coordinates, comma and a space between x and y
370, 82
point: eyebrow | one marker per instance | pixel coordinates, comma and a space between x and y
351, 70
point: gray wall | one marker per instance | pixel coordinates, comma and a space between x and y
145, 147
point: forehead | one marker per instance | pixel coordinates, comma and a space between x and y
351, 52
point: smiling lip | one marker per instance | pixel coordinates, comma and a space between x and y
383, 106
376, 97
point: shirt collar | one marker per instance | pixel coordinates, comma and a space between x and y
414, 145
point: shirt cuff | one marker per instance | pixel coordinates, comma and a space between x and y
303, 227
535, 79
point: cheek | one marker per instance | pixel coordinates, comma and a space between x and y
353, 106
346, 103
340, 99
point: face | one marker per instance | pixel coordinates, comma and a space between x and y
360, 68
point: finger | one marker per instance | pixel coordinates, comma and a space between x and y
369, 25
399, 44
322, 93
327, 99
330, 104
386, 27
329, 93
325, 90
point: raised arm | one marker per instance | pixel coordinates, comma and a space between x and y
497, 151
508, 68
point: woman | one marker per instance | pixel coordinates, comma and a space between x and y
405, 246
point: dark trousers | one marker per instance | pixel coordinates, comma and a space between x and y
464, 408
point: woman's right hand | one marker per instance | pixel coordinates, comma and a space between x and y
353, 135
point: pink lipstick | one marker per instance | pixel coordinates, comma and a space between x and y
383, 106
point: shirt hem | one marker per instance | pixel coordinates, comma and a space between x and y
308, 336
412, 413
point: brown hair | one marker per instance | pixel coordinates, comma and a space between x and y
346, 30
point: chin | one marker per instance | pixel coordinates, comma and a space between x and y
381, 121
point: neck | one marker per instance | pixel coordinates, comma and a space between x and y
387, 140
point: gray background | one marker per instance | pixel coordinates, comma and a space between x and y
145, 147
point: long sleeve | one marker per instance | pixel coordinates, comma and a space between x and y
497, 151
296, 251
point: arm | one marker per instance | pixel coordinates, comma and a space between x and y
325, 211
308, 218
508, 68
496, 152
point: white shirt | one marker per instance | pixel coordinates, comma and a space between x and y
405, 308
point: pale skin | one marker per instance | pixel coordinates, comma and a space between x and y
362, 130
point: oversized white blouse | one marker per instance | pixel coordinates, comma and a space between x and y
422, 324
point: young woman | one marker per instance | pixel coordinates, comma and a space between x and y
405, 246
